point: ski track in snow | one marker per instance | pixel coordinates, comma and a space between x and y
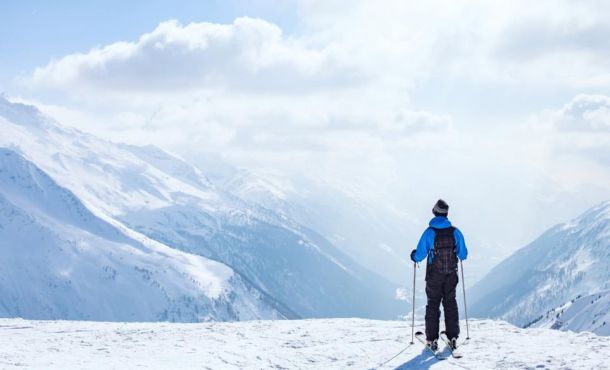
316, 344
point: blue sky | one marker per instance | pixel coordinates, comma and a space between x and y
34, 32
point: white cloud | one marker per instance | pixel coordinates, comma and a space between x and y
247, 54
419, 121
559, 43
387, 95
579, 137
584, 113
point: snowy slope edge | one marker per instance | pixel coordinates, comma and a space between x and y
303, 344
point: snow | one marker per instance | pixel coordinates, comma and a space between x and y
149, 194
59, 260
564, 262
302, 344
374, 233
585, 313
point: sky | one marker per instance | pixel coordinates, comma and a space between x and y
502, 108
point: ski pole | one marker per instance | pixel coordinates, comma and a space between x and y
465, 305
413, 313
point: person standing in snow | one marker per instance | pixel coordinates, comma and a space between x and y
442, 244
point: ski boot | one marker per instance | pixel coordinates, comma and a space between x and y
453, 343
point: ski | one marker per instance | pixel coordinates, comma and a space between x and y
454, 352
420, 337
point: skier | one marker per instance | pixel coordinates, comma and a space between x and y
443, 244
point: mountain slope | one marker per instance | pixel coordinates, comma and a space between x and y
292, 262
566, 261
59, 260
292, 344
375, 236
170, 201
588, 313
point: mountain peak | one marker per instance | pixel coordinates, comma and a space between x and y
595, 218
21, 114
171, 164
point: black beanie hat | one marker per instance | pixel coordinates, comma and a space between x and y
441, 208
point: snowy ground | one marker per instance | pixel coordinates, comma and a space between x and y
320, 344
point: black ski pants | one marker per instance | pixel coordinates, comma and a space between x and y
441, 288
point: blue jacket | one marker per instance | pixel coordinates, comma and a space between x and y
426, 242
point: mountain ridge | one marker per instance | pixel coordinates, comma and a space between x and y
59, 260
567, 260
161, 196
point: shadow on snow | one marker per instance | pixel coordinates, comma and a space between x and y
422, 361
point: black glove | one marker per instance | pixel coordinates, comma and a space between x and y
413, 255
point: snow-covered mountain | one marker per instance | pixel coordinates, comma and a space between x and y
287, 344
164, 198
568, 260
59, 260
584, 313
373, 233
